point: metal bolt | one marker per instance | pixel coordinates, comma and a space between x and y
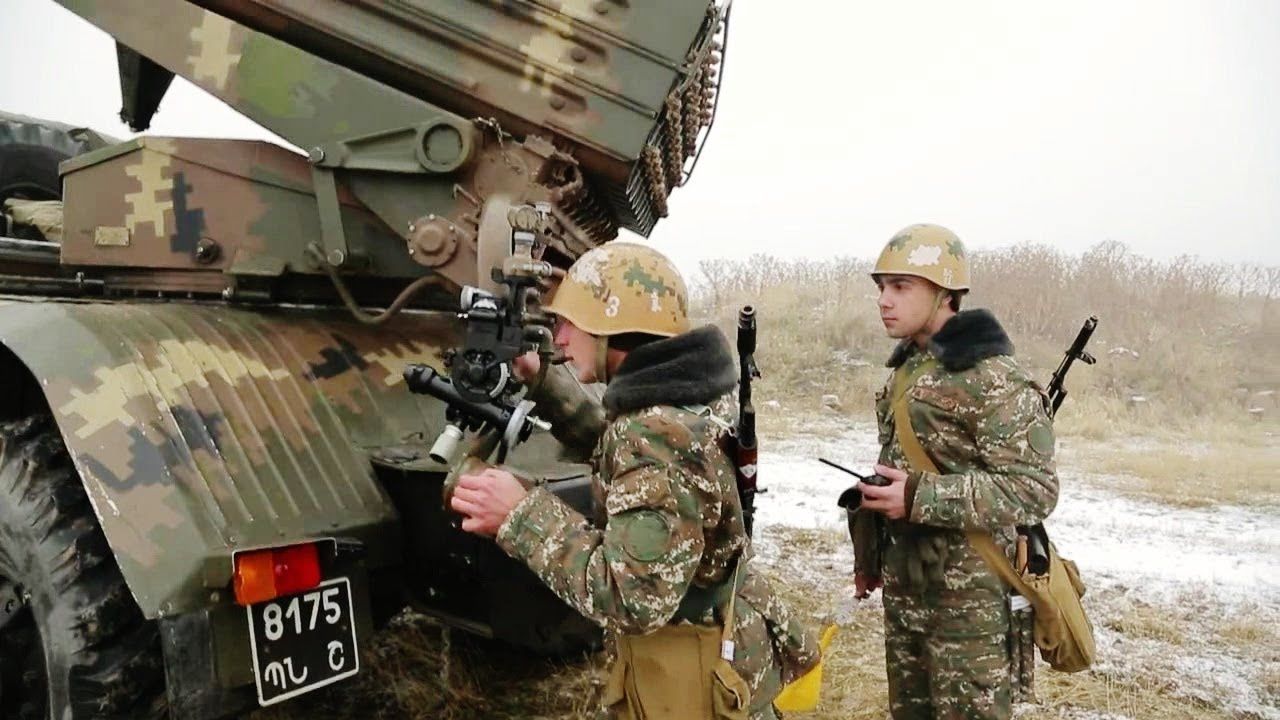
207, 251
578, 54
214, 596
557, 102
336, 257
316, 156
601, 8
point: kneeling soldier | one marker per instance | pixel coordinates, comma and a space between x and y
663, 570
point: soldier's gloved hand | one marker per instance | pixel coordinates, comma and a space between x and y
864, 585
888, 500
485, 500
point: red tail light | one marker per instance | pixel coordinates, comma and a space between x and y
263, 575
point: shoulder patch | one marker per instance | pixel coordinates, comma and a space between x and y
645, 534
1040, 437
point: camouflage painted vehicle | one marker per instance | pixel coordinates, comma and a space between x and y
214, 481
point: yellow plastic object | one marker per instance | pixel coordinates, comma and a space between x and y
802, 693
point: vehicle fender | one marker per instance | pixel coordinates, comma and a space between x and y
202, 429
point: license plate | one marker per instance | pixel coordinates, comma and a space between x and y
302, 642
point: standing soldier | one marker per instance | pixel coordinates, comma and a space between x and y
659, 568
981, 420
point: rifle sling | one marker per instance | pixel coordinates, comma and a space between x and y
918, 459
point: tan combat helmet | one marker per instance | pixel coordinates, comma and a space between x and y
927, 251
623, 288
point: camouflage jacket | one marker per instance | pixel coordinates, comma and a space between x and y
983, 422
670, 514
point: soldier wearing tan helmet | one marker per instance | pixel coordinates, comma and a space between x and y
663, 567
967, 448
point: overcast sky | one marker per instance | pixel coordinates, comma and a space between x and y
1156, 123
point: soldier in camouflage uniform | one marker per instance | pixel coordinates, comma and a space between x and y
982, 420
670, 534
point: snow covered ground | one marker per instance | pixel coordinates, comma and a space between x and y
1198, 568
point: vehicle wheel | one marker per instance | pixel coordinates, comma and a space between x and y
30, 150
73, 643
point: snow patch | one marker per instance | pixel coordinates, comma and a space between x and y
1191, 563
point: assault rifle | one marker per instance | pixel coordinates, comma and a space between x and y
746, 451
1057, 393
1036, 536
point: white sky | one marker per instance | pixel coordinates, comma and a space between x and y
1152, 122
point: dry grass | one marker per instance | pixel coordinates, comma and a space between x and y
1148, 623
1145, 697
413, 671
1193, 472
1245, 631
418, 669
1193, 340
1271, 682
855, 684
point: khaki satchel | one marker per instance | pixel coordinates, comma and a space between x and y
678, 673
1062, 630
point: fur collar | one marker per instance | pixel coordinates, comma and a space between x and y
965, 340
690, 369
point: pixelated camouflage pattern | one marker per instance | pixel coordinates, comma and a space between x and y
1022, 655
200, 430
205, 216
671, 517
945, 661
928, 251
253, 200
623, 288
359, 86
987, 430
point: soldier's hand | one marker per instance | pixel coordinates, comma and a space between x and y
485, 500
864, 585
526, 367
888, 500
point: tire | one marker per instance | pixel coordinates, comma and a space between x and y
74, 643
30, 150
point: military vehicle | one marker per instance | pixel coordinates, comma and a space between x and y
214, 480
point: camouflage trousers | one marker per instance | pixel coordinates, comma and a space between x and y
947, 655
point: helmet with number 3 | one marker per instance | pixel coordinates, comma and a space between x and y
623, 288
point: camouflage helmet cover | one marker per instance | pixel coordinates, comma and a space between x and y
926, 251
623, 288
